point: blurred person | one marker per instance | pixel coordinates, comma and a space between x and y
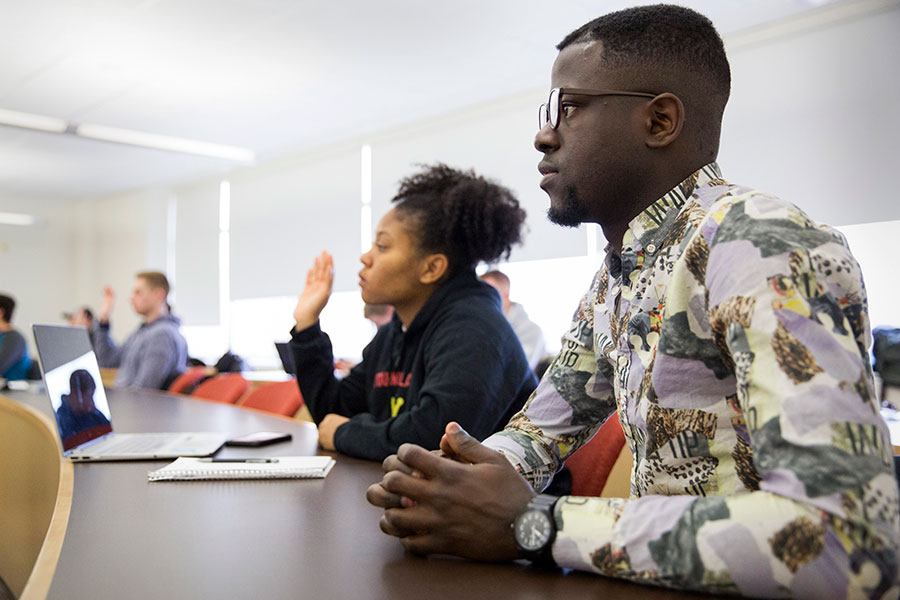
15, 363
380, 315
529, 333
155, 354
83, 317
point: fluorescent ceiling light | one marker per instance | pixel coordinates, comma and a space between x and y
15, 118
163, 142
16, 219
130, 137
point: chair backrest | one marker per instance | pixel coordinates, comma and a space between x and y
592, 463
227, 387
188, 379
282, 398
35, 499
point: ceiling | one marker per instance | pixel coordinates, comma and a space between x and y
275, 76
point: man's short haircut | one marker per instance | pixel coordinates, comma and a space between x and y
155, 279
662, 38
7, 305
499, 276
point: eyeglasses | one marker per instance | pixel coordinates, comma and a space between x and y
549, 112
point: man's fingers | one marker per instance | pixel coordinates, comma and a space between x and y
378, 496
418, 458
391, 529
464, 447
425, 544
402, 484
411, 521
392, 463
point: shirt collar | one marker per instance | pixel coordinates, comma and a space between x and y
647, 230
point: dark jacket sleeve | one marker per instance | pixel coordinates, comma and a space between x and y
322, 392
12, 349
474, 370
109, 355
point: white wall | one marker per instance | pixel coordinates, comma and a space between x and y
114, 238
37, 265
813, 118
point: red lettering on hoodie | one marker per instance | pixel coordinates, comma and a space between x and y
392, 379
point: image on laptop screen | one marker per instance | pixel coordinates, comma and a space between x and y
79, 401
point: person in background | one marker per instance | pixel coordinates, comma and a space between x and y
529, 333
155, 354
727, 332
83, 317
380, 315
448, 354
15, 363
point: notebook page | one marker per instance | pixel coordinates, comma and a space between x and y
287, 467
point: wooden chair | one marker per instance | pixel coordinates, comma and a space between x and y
281, 398
35, 499
226, 387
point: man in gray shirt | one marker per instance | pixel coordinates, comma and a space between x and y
154, 354
529, 333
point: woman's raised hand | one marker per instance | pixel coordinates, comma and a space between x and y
315, 294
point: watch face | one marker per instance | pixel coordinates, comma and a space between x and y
533, 530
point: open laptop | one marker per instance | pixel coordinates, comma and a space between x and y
78, 399
287, 359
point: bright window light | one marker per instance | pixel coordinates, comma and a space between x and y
15, 118
171, 216
225, 258
163, 142
876, 246
16, 219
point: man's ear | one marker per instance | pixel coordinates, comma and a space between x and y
433, 268
665, 120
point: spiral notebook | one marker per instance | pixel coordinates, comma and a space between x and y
287, 467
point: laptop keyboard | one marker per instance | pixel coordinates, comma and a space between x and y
135, 443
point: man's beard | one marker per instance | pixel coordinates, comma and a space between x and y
570, 213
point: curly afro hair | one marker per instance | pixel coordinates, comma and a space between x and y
460, 214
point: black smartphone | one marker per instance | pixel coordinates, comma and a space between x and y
260, 438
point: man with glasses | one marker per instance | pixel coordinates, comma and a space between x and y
726, 331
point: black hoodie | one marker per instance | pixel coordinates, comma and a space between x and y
459, 360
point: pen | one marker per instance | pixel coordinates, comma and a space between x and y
239, 460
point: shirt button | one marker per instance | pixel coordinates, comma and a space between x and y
651, 248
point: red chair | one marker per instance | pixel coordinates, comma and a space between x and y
187, 380
591, 464
282, 398
226, 387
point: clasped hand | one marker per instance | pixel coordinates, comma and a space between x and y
459, 501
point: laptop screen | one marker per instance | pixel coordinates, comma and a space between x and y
72, 379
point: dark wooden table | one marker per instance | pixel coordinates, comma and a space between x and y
128, 538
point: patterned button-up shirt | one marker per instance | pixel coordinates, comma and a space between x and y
730, 337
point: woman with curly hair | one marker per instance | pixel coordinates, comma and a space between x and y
449, 354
